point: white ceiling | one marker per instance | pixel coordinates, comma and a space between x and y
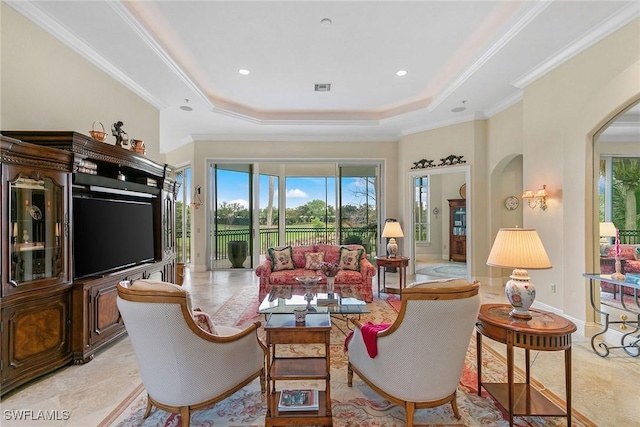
473, 54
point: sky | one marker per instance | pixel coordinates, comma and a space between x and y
299, 190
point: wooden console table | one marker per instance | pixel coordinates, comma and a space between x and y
399, 262
543, 332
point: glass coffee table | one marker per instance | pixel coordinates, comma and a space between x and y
337, 306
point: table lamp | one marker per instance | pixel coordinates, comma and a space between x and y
520, 249
607, 229
392, 230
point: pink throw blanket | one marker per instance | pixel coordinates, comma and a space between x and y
369, 336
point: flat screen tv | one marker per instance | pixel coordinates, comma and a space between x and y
110, 234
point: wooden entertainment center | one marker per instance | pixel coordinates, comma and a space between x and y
48, 318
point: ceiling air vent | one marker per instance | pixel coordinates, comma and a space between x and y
323, 87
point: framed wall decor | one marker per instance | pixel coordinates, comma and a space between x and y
511, 203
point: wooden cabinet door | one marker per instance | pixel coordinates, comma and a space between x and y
105, 318
35, 229
35, 338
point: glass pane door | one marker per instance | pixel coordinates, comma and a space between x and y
231, 245
358, 206
37, 229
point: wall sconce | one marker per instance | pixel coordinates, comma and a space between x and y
536, 198
196, 201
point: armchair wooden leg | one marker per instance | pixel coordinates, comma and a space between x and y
184, 412
454, 406
411, 410
349, 375
263, 384
148, 410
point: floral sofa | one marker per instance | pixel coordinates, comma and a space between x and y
354, 278
631, 264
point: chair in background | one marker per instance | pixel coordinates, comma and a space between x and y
182, 367
420, 357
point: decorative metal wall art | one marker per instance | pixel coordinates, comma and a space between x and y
447, 161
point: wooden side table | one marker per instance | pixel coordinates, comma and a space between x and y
399, 262
282, 329
543, 332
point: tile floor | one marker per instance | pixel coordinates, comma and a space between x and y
604, 389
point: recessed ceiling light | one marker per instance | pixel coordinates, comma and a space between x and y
326, 22
401, 73
186, 107
244, 72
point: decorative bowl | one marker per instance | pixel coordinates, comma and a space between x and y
308, 281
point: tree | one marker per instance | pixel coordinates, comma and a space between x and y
229, 211
626, 179
269, 222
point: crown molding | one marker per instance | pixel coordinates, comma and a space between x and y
462, 119
292, 138
522, 23
150, 41
36, 15
599, 32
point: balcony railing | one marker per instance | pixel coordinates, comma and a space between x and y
293, 236
629, 237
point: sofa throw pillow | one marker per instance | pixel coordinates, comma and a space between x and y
636, 253
281, 258
314, 260
350, 258
204, 322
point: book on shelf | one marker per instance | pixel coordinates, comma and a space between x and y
298, 400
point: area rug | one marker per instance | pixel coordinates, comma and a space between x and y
454, 270
608, 299
352, 406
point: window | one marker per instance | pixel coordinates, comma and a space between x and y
183, 216
421, 209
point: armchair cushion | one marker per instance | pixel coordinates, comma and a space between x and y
314, 260
350, 258
204, 322
281, 258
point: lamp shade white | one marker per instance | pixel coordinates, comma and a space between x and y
520, 249
391, 231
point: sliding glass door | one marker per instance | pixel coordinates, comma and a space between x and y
183, 216
259, 205
231, 222
358, 190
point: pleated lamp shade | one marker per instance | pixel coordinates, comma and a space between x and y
518, 248
607, 229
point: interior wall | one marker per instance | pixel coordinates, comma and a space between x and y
560, 112
436, 144
47, 86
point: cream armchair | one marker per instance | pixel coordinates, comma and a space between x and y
182, 367
421, 355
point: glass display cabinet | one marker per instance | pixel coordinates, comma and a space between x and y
38, 229
458, 230
35, 297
